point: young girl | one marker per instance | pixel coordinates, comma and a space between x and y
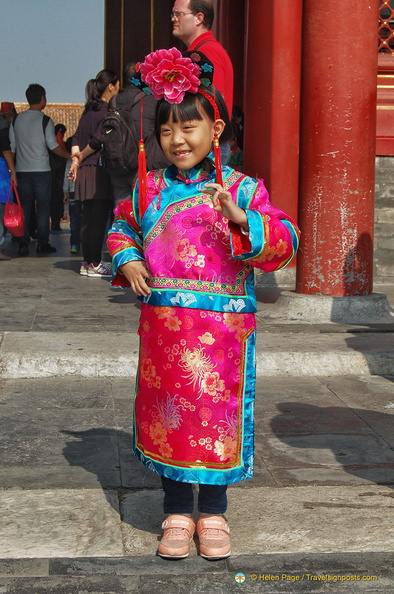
187, 243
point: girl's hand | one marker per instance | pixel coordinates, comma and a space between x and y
137, 275
223, 202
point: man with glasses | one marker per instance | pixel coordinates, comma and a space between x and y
192, 22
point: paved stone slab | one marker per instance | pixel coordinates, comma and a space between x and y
86, 523
281, 520
326, 430
24, 568
49, 354
115, 354
71, 585
76, 432
192, 584
346, 572
328, 458
61, 523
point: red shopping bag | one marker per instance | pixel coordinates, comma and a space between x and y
13, 214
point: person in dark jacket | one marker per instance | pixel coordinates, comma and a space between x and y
93, 186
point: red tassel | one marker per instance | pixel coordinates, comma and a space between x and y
142, 178
142, 191
218, 159
216, 146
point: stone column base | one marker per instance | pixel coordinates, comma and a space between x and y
321, 309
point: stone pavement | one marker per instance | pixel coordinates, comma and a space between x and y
79, 514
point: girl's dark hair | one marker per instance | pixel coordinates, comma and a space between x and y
95, 88
190, 109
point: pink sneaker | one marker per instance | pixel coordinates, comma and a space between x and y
178, 534
214, 536
103, 270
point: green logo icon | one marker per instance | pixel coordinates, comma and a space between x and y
240, 578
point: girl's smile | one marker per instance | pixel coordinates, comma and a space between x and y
187, 143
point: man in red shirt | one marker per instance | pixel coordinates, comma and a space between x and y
191, 22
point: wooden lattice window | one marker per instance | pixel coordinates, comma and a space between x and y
386, 27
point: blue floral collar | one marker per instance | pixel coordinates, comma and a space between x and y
192, 176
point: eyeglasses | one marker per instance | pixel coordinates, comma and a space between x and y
176, 14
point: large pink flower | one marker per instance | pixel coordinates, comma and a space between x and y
168, 74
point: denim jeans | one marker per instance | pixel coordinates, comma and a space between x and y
35, 188
75, 212
179, 499
2, 228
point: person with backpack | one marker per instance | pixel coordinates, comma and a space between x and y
32, 133
121, 133
92, 182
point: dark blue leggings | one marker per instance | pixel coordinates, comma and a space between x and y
179, 498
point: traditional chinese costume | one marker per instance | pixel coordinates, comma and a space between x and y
195, 388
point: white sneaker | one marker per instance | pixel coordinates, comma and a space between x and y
103, 270
84, 269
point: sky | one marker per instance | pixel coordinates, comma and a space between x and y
56, 43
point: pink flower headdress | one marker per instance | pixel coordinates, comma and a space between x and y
169, 74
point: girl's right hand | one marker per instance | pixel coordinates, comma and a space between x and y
137, 275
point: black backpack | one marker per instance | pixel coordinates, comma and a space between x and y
119, 138
119, 148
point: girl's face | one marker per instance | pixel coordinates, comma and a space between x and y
187, 143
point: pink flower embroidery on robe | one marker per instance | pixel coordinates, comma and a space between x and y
148, 372
184, 250
165, 450
212, 384
226, 449
207, 338
157, 433
173, 323
281, 248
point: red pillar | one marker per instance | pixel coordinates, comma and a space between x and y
337, 154
230, 31
272, 94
